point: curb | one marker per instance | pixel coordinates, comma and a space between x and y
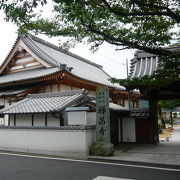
127, 162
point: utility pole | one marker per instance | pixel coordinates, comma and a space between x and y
127, 70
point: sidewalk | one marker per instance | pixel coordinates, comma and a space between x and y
167, 153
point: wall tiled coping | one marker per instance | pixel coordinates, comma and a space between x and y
50, 127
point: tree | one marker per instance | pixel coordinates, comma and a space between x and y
148, 25
170, 105
140, 24
160, 106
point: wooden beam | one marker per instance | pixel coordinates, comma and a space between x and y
24, 63
28, 68
22, 57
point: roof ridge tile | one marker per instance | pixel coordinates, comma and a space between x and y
55, 94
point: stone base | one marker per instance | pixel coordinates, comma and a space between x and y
102, 149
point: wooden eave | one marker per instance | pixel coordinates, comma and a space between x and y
24, 93
68, 78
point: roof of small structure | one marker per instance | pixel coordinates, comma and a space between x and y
112, 106
45, 102
54, 57
145, 63
139, 112
117, 107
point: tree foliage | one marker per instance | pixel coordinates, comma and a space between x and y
170, 104
148, 25
140, 24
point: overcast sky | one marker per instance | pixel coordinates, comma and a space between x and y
113, 62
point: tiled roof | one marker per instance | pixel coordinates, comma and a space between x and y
82, 68
112, 106
29, 74
145, 63
45, 103
139, 113
116, 107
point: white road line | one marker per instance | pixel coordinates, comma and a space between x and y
109, 178
86, 161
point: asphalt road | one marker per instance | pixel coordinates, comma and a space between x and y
29, 168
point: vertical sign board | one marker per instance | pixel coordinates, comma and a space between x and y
102, 115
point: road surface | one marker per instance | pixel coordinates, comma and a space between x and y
22, 167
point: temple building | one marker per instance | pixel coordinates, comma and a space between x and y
48, 101
35, 66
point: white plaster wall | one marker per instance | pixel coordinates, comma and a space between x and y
54, 142
51, 121
47, 89
54, 88
42, 90
91, 118
75, 88
11, 118
23, 120
64, 87
39, 119
129, 129
77, 118
93, 93
90, 138
126, 104
1, 101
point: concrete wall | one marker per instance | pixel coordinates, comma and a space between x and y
47, 141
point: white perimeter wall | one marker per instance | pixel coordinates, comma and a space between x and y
46, 141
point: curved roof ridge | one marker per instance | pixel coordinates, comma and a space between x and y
55, 94
9, 52
27, 39
46, 43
